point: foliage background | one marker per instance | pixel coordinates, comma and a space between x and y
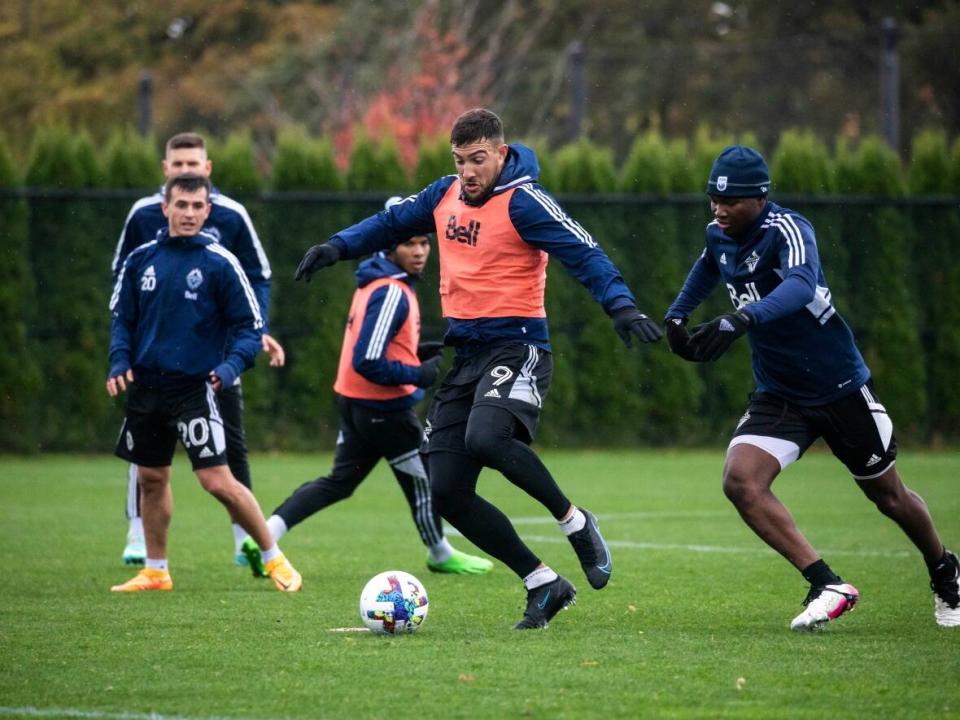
408, 68
885, 234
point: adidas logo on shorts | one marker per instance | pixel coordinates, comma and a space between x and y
874, 459
206, 452
492, 393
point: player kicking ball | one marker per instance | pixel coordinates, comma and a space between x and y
186, 323
811, 382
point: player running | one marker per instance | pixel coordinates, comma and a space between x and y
382, 372
496, 228
811, 382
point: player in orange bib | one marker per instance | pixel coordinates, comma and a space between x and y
496, 228
383, 370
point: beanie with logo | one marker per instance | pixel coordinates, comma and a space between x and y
739, 171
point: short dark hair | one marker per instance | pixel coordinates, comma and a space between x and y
186, 140
476, 124
188, 182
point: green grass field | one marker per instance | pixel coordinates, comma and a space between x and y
693, 623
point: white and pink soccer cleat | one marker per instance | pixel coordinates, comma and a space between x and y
825, 603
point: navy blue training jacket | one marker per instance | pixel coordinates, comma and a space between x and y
182, 307
228, 223
802, 349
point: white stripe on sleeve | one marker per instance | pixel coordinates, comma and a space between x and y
381, 329
244, 282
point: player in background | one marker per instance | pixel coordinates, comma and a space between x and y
811, 382
383, 368
230, 224
186, 323
495, 229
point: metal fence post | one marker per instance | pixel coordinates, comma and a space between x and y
890, 83
144, 103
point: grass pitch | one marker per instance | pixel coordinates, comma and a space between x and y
693, 624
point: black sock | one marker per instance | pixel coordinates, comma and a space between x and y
942, 564
819, 573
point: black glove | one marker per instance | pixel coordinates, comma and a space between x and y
428, 349
678, 338
711, 340
429, 371
629, 321
317, 257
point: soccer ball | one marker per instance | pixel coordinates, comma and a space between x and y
393, 602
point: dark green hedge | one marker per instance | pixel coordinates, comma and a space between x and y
886, 238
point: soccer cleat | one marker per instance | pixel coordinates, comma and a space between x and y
945, 583
250, 555
546, 601
146, 579
461, 564
283, 574
593, 552
825, 603
135, 553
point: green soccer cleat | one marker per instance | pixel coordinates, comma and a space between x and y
250, 555
461, 564
135, 551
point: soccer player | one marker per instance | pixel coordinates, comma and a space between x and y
811, 382
496, 228
186, 323
383, 368
230, 225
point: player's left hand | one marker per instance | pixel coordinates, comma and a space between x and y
275, 350
630, 322
215, 382
678, 338
713, 339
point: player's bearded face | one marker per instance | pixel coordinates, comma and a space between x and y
478, 166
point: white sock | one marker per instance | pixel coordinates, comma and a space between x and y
277, 527
136, 528
575, 522
155, 564
270, 554
441, 552
239, 535
540, 576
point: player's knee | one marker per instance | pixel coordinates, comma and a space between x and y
738, 486
889, 500
482, 444
448, 500
151, 479
219, 484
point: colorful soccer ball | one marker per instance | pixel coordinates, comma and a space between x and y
393, 602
